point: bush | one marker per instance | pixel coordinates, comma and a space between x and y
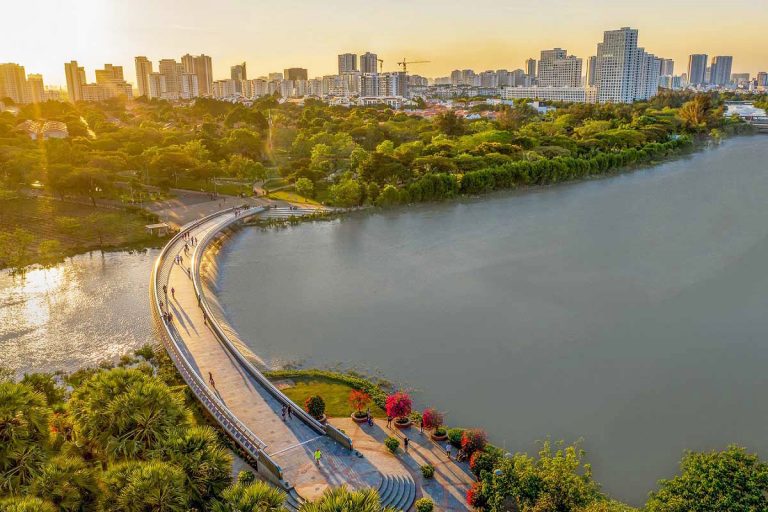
392, 444
246, 477
455, 435
475, 496
427, 471
481, 461
359, 400
398, 405
440, 431
473, 440
432, 418
315, 406
424, 505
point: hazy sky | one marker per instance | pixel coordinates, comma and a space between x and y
274, 34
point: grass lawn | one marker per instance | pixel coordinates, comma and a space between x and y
335, 394
292, 197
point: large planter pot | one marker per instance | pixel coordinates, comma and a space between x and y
436, 437
402, 426
363, 419
322, 419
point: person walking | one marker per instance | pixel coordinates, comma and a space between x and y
389, 421
282, 412
290, 413
421, 425
165, 289
210, 380
405, 443
448, 450
318, 456
173, 292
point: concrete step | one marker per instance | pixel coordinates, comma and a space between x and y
397, 491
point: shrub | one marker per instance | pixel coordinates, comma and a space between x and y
246, 477
392, 444
359, 399
427, 471
473, 440
482, 461
432, 418
475, 496
398, 405
315, 406
440, 431
455, 435
424, 505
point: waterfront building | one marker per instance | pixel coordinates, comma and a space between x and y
720, 73
558, 69
369, 63
617, 66
347, 63
295, 74
143, 70
697, 69
75, 80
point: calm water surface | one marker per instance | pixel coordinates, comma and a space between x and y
629, 311
90, 308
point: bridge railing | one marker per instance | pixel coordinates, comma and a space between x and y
243, 436
321, 428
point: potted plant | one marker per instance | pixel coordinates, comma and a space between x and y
359, 400
398, 406
433, 420
315, 406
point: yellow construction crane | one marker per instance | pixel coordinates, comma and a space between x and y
405, 63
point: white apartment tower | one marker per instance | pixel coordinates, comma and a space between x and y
558, 69
617, 66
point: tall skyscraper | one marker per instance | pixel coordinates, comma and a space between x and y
13, 83
667, 67
720, 73
347, 63
530, 68
369, 62
591, 65
169, 68
295, 74
558, 69
617, 66
697, 68
35, 89
239, 74
201, 66
75, 80
649, 67
143, 70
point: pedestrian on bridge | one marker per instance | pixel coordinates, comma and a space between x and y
210, 380
173, 292
318, 456
282, 412
290, 412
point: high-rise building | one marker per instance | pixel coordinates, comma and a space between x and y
617, 66
558, 69
189, 86
697, 69
75, 80
530, 68
347, 63
762, 79
238, 73
169, 68
109, 73
201, 66
143, 70
156, 85
369, 63
275, 77
35, 89
489, 79
667, 67
720, 73
295, 74
591, 68
649, 67
13, 82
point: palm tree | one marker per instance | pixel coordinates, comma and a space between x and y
23, 435
125, 413
68, 482
250, 497
26, 504
341, 499
145, 486
199, 454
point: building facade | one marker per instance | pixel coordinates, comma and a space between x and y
697, 69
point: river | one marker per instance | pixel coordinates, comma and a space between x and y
628, 311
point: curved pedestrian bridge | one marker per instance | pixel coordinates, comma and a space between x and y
248, 407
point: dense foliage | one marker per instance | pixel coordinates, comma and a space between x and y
398, 405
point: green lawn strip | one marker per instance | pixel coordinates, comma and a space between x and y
333, 387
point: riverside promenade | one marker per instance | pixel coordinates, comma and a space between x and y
249, 408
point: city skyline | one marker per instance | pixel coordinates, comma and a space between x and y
94, 33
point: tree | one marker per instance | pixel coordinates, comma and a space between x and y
389, 196
449, 123
304, 187
398, 405
248, 496
144, 487
732, 480
15, 247
100, 224
341, 498
124, 413
23, 435
315, 405
359, 399
432, 418
205, 463
67, 482
346, 194
514, 118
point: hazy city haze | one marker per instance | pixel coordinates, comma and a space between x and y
271, 36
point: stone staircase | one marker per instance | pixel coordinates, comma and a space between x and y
397, 491
293, 501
